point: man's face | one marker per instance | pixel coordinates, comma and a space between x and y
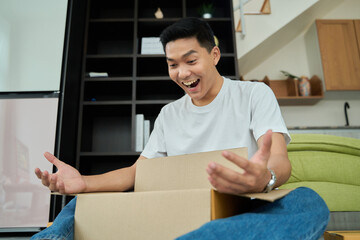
193, 68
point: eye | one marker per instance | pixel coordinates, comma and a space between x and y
172, 65
192, 61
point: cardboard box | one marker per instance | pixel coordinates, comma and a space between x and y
342, 235
172, 196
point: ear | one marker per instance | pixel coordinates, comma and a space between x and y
215, 54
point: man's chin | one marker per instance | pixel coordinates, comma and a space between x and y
194, 95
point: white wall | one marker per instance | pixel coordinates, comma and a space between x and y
260, 27
31, 44
324, 113
349, 9
292, 57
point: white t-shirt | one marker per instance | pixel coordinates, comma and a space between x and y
237, 117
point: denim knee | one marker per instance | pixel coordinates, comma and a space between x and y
62, 227
302, 214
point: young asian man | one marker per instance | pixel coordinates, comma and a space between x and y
216, 113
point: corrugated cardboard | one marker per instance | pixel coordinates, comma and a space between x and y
180, 172
342, 235
172, 197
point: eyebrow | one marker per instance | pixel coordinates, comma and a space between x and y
183, 56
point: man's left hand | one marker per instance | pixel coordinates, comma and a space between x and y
255, 176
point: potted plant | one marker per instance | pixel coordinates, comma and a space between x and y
206, 10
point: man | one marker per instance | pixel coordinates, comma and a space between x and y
216, 113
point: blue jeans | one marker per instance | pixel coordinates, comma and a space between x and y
302, 214
63, 225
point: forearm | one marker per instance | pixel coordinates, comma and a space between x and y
118, 180
280, 164
278, 160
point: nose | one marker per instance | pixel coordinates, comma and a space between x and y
184, 72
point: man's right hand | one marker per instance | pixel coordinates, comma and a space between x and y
66, 180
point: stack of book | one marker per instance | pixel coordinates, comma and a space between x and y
142, 132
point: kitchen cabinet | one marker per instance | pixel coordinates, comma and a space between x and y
339, 44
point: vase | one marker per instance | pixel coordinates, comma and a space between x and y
158, 14
304, 86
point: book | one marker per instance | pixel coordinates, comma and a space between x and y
151, 45
139, 132
146, 131
98, 74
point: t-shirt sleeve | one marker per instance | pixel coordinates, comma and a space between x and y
265, 113
156, 147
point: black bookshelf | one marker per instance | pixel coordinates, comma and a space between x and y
136, 83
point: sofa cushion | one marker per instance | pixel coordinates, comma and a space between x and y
328, 164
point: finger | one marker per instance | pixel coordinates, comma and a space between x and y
229, 181
38, 173
218, 171
263, 154
266, 143
53, 180
51, 158
61, 186
243, 163
45, 178
223, 186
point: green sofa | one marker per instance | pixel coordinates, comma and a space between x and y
330, 165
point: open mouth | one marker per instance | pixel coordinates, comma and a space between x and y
191, 84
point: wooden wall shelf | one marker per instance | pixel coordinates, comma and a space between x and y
287, 91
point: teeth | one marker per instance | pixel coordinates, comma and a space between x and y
189, 83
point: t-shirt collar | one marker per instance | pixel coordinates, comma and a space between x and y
213, 103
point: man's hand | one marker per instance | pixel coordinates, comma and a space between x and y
255, 176
66, 180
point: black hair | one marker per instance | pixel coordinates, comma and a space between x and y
187, 28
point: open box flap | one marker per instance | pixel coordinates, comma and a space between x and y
180, 172
271, 196
226, 205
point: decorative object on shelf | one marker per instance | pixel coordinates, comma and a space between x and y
304, 86
206, 10
159, 14
287, 74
